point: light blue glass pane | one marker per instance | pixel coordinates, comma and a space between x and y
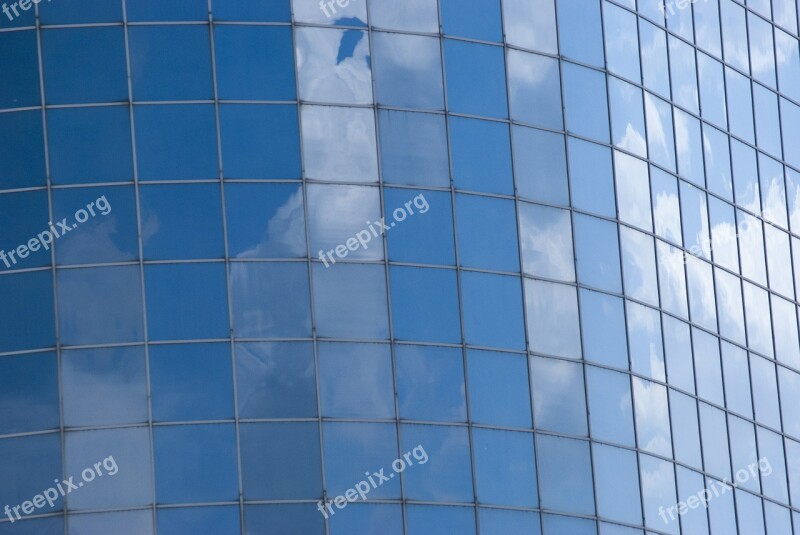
739, 98
430, 384
122, 523
101, 305
718, 162
186, 301
265, 220
712, 88
487, 233
616, 483
610, 409
426, 239
103, 386
341, 222
362, 368
689, 146
126, 465
492, 310
581, 32
655, 496
29, 393
408, 83
350, 301
707, 26
655, 68
505, 471
660, 142
765, 391
180, 450
737, 379
333, 66
622, 45
691, 484
498, 389
103, 222
280, 461
270, 300
556, 524
425, 304
591, 177
558, 396
352, 448
413, 148
565, 474
683, 74
386, 518
685, 429
553, 326
546, 242
597, 248
276, 380
678, 353
791, 130
627, 117
652, 417
708, 372
531, 24
413, 15
169, 212
481, 154
714, 434
437, 463
475, 79
191, 382
540, 165
603, 322
535, 98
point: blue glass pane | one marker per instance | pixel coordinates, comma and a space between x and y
498, 389
476, 19
23, 217
191, 382
552, 322
509, 522
431, 520
37, 461
186, 301
28, 393
481, 153
423, 301
535, 99
80, 12
170, 63
487, 233
386, 518
565, 474
280, 461
276, 11
559, 400
84, 65
276, 380
610, 410
352, 448
603, 322
430, 383
591, 177
492, 310
180, 450
505, 470
427, 239
597, 247
245, 71
27, 321
260, 141
21, 168
295, 518
414, 148
90, 145
153, 10
191, 520
581, 31
121, 523
475, 79
540, 165
169, 213
404, 83
439, 468
586, 102
350, 301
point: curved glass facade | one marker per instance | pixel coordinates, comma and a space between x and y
409, 267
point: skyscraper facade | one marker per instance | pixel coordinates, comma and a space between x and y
403, 267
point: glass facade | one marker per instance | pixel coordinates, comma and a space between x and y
545, 251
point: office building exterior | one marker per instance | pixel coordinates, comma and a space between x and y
402, 267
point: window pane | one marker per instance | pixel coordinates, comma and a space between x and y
408, 69
333, 65
413, 148
585, 102
505, 468
546, 242
475, 79
610, 410
558, 396
339, 144
616, 483
362, 368
430, 384
591, 177
565, 474
603, 322
531, 24
540, 165
487, 233
553, 326
492, 310
534, 89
